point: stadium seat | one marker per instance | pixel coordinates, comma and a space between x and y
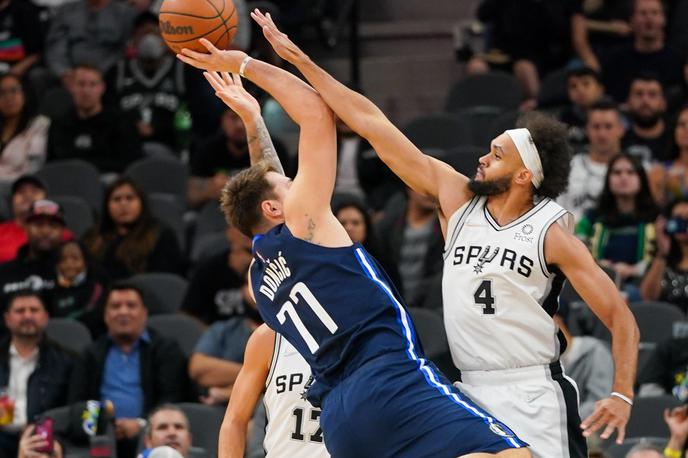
179, 327
430, 329
480, 123
163, 292
647, 416
77, 213
490, 90
441, 130
208, 245
619, 451
464, 159
167, 209
158, 150
656, 320
553, 90
160, 175
73, 177
205, 424
504, 121
71, 334
210, 220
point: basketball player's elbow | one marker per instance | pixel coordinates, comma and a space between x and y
314, 110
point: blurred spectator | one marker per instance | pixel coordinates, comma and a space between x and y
670, 179
150, 84
620, 231
665, 371
21, 41
168, 425
221, 156
80, 290
34, 267
92, 32
23, 145
91, 132
218, 289
604, 129
677, 421
648, 136
607, 22
30, 444
589, 363
649, 52
667, 278
412, 240
532, 38
219, 355
35, 370
584, 89
25, 190
645, 450
355, 218
132, 366
128, 240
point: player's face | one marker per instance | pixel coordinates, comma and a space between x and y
623, 179
88, 89
11, 97
681, 132
496, 169
604, 130
26, 317
584, 90
125, 314
169, 427
648, 19
353, 222
124, 205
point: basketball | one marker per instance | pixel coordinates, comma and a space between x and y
184, 22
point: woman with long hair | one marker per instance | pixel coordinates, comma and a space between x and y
23, 133
670, 181
128, 240
620, 231
667, 277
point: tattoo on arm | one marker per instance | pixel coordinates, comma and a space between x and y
261, 148
311, 230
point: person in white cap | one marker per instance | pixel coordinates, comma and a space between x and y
508, 250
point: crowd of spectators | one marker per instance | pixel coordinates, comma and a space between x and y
94, 81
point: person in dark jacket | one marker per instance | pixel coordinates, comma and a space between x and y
34, 369
132, 366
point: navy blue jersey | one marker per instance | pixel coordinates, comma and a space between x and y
334, 305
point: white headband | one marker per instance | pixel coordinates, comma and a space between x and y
529, 153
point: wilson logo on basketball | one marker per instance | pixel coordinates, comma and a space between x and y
167, 28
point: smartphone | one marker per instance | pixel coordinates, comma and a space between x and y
44, 428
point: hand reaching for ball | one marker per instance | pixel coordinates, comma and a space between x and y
229, 89
215, 60
279, 41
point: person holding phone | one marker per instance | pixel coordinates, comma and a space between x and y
35, 445
667, 278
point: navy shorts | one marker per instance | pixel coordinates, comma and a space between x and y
394, 406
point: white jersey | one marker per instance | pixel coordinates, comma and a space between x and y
293, 424
499, 295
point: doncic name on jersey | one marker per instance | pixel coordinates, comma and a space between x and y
478, 256
276, 271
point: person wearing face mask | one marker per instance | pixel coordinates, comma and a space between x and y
149, 84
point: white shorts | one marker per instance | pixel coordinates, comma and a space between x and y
538, 403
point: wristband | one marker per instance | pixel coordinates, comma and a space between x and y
244, 63
624, 398
671, 453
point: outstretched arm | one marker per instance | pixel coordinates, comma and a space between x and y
420, 172
599, 292
229, 89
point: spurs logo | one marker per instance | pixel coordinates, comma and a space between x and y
485, 257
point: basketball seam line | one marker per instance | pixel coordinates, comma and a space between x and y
224, 22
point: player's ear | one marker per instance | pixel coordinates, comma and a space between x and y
523, 176
272, 208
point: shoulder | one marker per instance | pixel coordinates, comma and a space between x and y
260, 346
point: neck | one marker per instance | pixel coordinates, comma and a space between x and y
683, 156
603, 157
85, 113
126, 343
644, 45
509, 206
11, 123
625, 204
649, 132
25, 345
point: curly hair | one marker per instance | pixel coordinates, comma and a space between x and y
549, 136
242, 196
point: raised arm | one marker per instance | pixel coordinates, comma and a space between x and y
420, 172
247, 390
599, 292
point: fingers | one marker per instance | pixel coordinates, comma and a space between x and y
608, 431
621, 434
209, 46
237, 80
595, 426
227, 79
191, 61
214, 81
594, 416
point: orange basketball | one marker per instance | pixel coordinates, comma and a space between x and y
184, 22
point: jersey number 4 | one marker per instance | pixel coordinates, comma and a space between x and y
483, 296
300, 289
298, 431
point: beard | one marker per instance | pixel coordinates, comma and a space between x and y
490, 188
645, 121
